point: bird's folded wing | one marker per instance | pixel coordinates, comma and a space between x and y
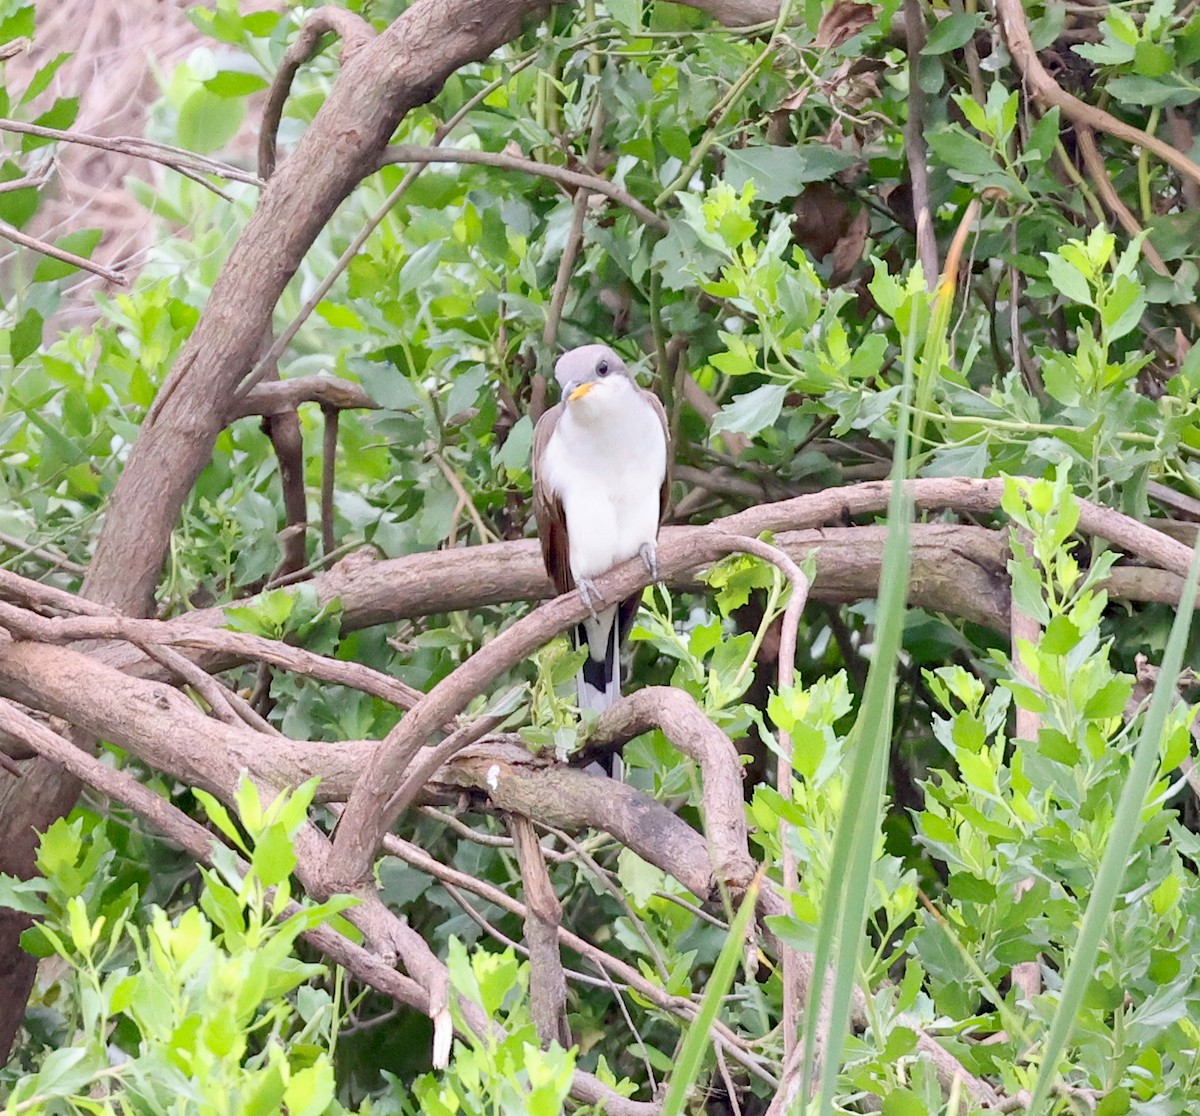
664, 497
548, 509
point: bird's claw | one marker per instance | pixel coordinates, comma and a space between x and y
589, 594
649, 556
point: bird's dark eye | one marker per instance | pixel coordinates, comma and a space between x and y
602, 368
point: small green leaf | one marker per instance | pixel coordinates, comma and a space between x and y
234, 83
962, 152
26, 336
23, 895
953, 32
61, 115
781, 172
1152, 60
43, 77
1068, 280
207, 122
752, 412
81, 242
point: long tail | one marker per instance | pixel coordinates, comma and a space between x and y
599, 681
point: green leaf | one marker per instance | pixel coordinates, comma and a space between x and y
17, 206
26, 336
1151, 92
1151, 59
626, 12
740, 356
419, 267
310, 1091
1068, 280
235, 83
1122, 310
81, 242
207, 122
23, 895
64, 1071
953, 32
904, 1102
221, 818
961, 152
40, 80
781, 172
274, 856
752, 412
638, 879
61, 115
17, 25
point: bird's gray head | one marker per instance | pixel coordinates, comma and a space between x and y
582, 369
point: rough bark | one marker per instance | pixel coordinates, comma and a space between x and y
393, 73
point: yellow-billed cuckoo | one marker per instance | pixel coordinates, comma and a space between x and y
600, 487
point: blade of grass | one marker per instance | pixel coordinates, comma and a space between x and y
1107, 887
696, 1042
843, 922
840, 932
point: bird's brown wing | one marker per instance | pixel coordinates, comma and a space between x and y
548, 509
665, 494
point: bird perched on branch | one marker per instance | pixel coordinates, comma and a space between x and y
600, 487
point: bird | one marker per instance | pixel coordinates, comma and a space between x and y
601, 482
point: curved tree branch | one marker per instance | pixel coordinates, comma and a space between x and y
1049, 93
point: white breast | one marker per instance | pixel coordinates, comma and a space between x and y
606, 461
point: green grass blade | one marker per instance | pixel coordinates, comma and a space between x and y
695, 1044
1125, 828
842, 925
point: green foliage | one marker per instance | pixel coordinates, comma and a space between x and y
209, 1012
498, 1076
927, 879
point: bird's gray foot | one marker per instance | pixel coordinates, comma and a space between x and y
589, 594
649, 555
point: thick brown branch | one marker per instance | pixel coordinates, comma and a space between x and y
278, 396
684, 724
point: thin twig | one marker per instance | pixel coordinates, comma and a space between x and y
464, 496
405, 153
55, 253
23, 548
177, 158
